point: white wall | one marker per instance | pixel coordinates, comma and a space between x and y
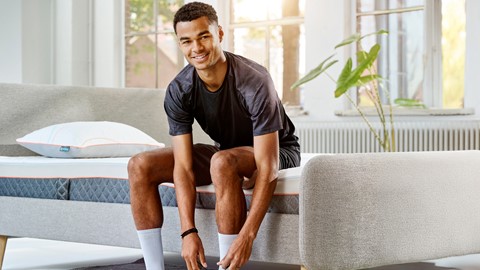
472, 61
90, 43
11, 41
63, 43
48, 41
324, 28
36, 41
108, 46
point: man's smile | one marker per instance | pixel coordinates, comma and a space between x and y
200, 57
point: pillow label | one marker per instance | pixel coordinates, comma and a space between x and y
65, 149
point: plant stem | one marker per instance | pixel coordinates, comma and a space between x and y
378, 104
392, 128
377, 137
331, 78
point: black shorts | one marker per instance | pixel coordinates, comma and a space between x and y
202, 154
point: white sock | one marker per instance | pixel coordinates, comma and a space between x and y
224, 243
152, 249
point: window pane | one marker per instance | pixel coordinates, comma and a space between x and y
453, 52
292, 46
402, 52
372, 5
275, 41
166, 11
276, 59
140, 61
263, 10
254, 10
169, 59
139, 16
250, 43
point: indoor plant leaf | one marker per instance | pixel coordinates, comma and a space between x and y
353, 76
315, 72
351, 39
361, 55
379, 32
356, 38
408, 102
342, 85
366, 79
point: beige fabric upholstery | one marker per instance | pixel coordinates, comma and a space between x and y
27, 107
367, 210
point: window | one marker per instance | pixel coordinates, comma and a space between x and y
423, 57
271, 32
152, 57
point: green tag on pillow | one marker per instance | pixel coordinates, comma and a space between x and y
64, 148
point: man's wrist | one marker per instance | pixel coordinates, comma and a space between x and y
189, 231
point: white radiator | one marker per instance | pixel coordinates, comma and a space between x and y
355, 137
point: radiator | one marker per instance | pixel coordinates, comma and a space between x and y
355, 137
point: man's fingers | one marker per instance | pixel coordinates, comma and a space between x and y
201, 257
189, 265
224, 263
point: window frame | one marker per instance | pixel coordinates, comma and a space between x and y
264, 24
155, 33
432, 82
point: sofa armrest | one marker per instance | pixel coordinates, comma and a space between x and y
367, 210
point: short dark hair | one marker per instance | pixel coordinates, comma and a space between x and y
193, 11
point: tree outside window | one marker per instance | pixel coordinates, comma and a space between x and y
152, 57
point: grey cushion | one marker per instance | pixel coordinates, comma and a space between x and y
25, 108
366, 210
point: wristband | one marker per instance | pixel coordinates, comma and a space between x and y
187, 232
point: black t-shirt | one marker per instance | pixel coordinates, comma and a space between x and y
246, 105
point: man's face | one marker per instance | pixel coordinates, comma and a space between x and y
200, 42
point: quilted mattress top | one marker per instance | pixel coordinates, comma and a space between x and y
97, 179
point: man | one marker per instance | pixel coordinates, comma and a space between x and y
234, 101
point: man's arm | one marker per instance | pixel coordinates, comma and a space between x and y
266, 152
184, 180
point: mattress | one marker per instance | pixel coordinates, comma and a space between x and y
106, 180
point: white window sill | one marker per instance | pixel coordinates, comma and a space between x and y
402, 111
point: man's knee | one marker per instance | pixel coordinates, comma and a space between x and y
153, 167
223, 168
222, 161
138, 167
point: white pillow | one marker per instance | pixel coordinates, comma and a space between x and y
88, 140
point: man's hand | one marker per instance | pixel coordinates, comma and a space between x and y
238, 253
249, 183
193, 253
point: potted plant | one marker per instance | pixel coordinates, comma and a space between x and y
363, 74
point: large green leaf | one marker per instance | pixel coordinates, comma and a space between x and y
342, 86
354, 76
315, 72
361, 55
368, 59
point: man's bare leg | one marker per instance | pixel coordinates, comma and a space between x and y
228, 169
145, 172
